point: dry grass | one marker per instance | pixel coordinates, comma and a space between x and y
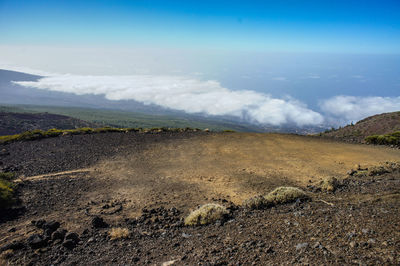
282, 195
119, 233
206, 214
329, 184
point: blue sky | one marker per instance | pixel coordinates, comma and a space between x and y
298, 57
289, 26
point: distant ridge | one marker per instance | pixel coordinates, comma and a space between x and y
380, 124
14, 123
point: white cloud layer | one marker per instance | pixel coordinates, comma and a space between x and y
185, 94
351, 108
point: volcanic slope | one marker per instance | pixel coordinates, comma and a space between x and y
380, 124
121, 175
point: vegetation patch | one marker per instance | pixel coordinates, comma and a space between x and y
256, 203
387, 139
207, 214
40, 134
6, 190
119, 233
282, 195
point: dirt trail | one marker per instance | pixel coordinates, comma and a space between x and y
188, 172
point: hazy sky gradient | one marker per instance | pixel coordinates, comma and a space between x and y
306, 52
290, 25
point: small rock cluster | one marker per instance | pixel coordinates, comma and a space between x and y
52, 235
157, 218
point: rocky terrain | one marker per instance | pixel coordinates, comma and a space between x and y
15, 123
121, 198
374, 125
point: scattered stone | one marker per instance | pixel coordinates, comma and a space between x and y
39, 223
301, 246
353, 244
69, 244
167, 263
184, 235
51, 226
16, 245
72, 236
36, 241
98, 222
317, 245
59, 234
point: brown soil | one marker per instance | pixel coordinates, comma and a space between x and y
149, 182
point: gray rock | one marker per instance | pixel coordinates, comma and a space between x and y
184, 235
301, 246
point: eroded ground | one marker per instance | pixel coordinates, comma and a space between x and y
71, 179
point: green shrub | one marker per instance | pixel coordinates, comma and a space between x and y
388, 139
207, 214
282, 195
6, 190
39, 134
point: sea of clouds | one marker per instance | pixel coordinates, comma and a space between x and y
185, 94
352, 109
192, 95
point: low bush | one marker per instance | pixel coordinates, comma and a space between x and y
119, 233
6, 190
39, 134
388, 139
256, 203
282, 195
207, 214
329, 184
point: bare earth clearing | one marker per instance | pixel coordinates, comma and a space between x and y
126, 178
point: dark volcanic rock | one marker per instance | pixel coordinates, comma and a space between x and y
51, 226
36, 241
69, 244
16, 245
98, 222
59, 234
72, 236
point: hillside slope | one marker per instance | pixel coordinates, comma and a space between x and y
14, 123
148, 183
374, 125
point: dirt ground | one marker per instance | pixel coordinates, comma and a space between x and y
120, 176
